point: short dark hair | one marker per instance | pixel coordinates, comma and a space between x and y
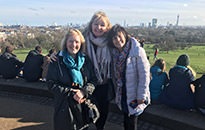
51, 51
113, 32
9, 49
38, 48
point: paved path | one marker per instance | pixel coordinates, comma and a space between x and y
25, 112
20, 115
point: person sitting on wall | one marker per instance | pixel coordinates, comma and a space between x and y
199, 94
159, 80
32, 68
178, 93
46, 62
10, 65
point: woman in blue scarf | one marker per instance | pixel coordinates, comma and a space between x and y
72, 80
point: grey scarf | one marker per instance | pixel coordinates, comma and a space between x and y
101, 58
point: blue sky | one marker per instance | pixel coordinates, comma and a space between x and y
134, 12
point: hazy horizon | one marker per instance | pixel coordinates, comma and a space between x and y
131, 12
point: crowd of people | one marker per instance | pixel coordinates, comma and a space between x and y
32, 69
101, 64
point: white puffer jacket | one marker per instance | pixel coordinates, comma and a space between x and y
137, 75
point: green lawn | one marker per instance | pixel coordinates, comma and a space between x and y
22, 53
196, 54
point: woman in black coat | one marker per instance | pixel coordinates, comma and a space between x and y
71, 79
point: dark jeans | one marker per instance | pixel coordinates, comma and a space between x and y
100, 95
130, 122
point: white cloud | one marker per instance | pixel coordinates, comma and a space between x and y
195, 17
185, 5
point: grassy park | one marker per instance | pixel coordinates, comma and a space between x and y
22, 53
196, 54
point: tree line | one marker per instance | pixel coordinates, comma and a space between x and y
164, 39
170, 39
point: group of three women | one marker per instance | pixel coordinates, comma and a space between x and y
102, 65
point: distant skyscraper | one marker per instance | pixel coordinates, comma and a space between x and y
125, 24
149, 24
154, 22
142, 24
177, 23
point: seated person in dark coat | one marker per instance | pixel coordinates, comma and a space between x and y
46, 62
199, 95
178, 93
32, 68
10, 65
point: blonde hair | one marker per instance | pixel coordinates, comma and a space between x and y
70, 33
193, 72
98, 15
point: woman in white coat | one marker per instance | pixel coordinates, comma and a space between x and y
131, 75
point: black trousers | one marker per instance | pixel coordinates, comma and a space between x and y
130, 122
100, 94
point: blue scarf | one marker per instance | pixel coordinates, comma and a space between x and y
74, 66
180, 66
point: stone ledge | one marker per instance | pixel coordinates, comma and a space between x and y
157, 114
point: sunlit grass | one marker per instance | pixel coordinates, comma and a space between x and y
22, 53
196, 54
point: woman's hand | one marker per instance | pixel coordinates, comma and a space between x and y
140, 101
78, 96
53, 57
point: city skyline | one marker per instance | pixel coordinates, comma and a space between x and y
133, 12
